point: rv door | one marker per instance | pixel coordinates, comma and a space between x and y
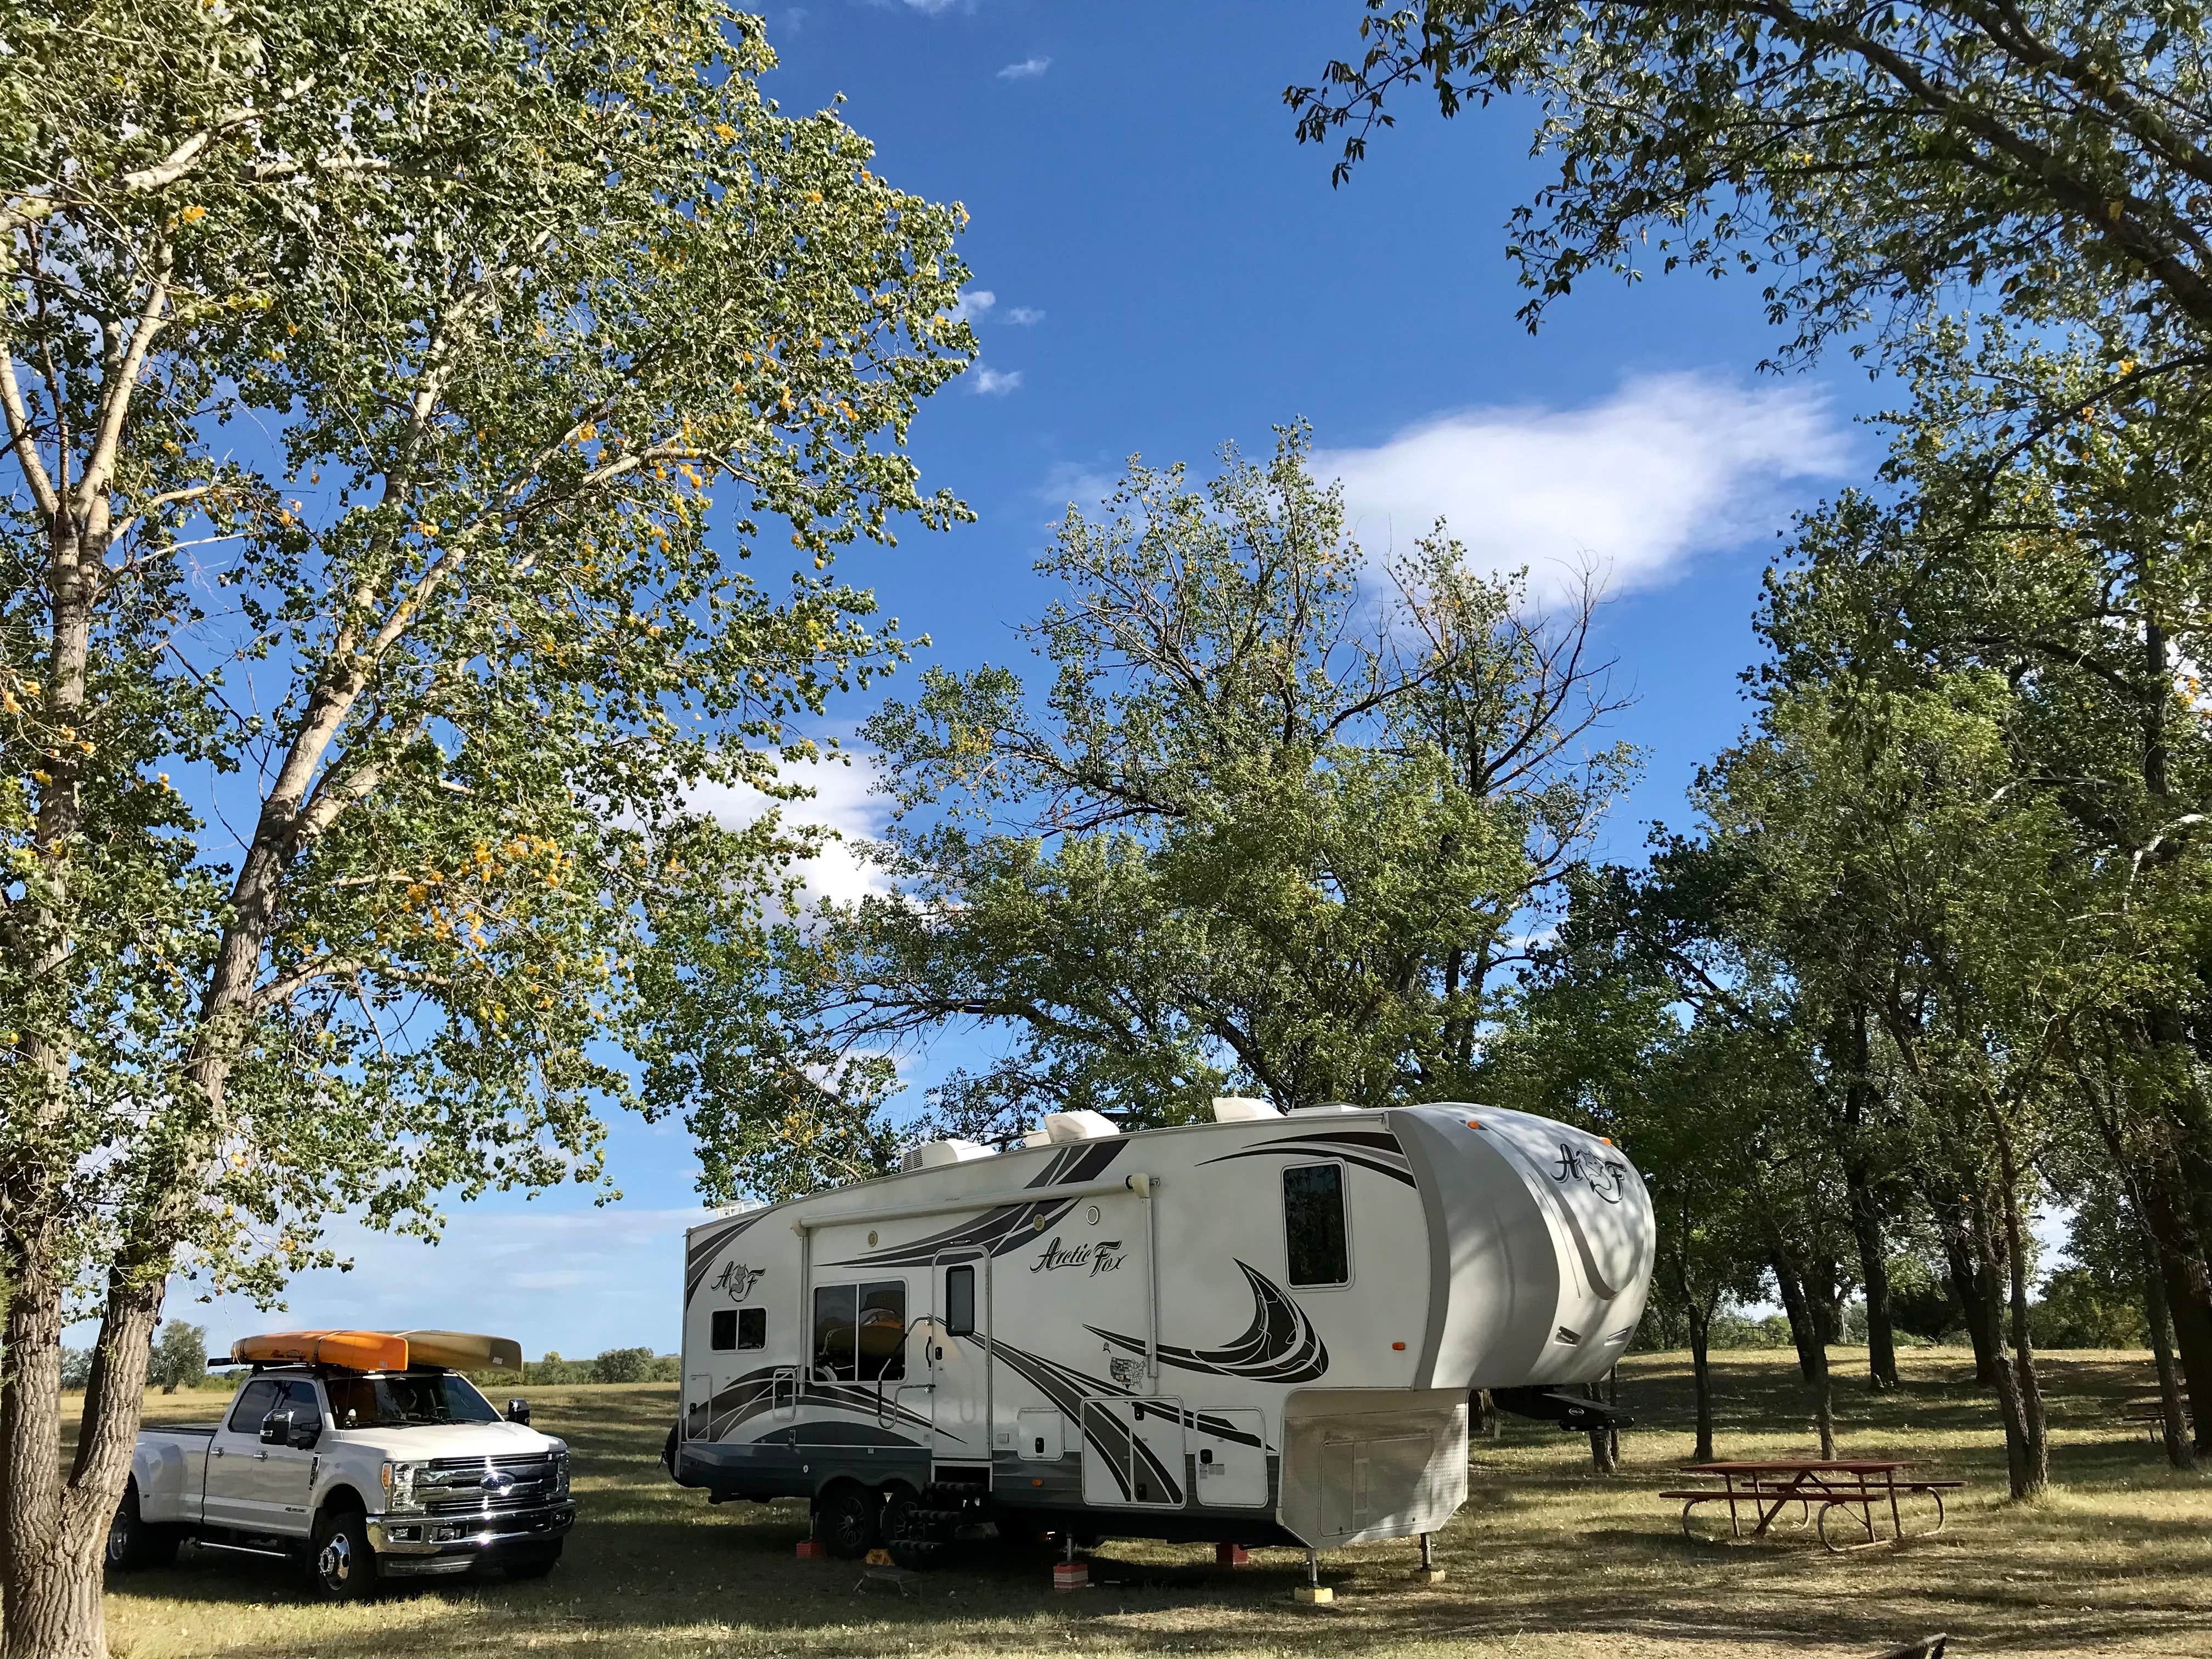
959, 1361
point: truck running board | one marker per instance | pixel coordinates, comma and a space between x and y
274, 1552
1567, 1410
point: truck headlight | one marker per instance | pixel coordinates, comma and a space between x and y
560, 1470
399, 1486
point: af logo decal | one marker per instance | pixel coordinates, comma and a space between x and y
739, 1279
1602, 1177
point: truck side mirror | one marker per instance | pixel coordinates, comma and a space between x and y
517, 1411
276, 1429
304, 1434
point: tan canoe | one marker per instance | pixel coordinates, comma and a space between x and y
463, 1351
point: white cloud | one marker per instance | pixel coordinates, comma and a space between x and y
1074, 482
995, 382
1667, 467
973, 305
842, 802
934, 7
1022, 316
1028, 70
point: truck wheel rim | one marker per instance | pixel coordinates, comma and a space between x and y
336, 1561
118, 1537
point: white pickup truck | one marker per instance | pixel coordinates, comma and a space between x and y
360, 1475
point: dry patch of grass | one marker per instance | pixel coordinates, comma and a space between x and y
1547, 1560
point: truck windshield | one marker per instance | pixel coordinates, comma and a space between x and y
400, 1402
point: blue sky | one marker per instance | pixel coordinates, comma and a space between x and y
1167, 269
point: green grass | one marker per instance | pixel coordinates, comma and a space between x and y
1546, 1560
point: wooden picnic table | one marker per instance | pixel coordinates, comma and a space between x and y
1769, 1486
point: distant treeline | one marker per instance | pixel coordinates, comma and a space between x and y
2076, 1309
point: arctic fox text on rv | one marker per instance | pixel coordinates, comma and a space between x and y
1263, 1329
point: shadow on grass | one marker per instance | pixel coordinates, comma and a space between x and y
1546, 1558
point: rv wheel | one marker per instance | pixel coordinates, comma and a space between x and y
899, 1500
845, 1519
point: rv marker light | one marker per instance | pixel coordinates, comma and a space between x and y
1397, 1347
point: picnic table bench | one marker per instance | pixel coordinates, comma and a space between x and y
2150, 1415
1854, 1485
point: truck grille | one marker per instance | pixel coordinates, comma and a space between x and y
486, 1485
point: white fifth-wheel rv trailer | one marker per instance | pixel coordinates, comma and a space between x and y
1259, 1330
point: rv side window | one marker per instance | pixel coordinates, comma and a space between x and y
752, 1328
860, 1331
722, 1333
835, 1328
959, 1301
883, 1331
1313, 1225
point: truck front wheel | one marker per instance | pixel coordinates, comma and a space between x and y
343, 1567
133, 1542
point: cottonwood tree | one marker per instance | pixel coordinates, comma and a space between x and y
1266, 823
1863, 160
367, 620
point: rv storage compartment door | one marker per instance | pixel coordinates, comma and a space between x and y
1229, 1458
1359, 1465
1041, 1435
1132, 1453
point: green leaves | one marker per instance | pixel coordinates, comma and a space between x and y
1866, 161
1266, 821
411, 400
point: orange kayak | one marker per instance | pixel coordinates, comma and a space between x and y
360, 1351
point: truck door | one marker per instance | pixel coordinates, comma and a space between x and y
236, 1455
281, 1482
960, 1362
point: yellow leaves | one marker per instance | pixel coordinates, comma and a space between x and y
43, 779
192, 215
725, 131
426, 530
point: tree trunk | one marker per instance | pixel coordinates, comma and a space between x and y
1600, 1439
1701, 1376
2187, 1306
1859, 1102
1873, 1273
1971, 1291
53, 1531
2173, 1424
2035, 1440
1812, 1354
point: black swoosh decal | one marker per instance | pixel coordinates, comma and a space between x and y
699, 1256
1007, 1226
1371, 1149
1280, 1346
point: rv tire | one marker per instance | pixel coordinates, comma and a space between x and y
899, 1499
845, 1519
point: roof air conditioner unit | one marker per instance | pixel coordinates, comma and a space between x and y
1059, 1127
1240, 1109
932, 1154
